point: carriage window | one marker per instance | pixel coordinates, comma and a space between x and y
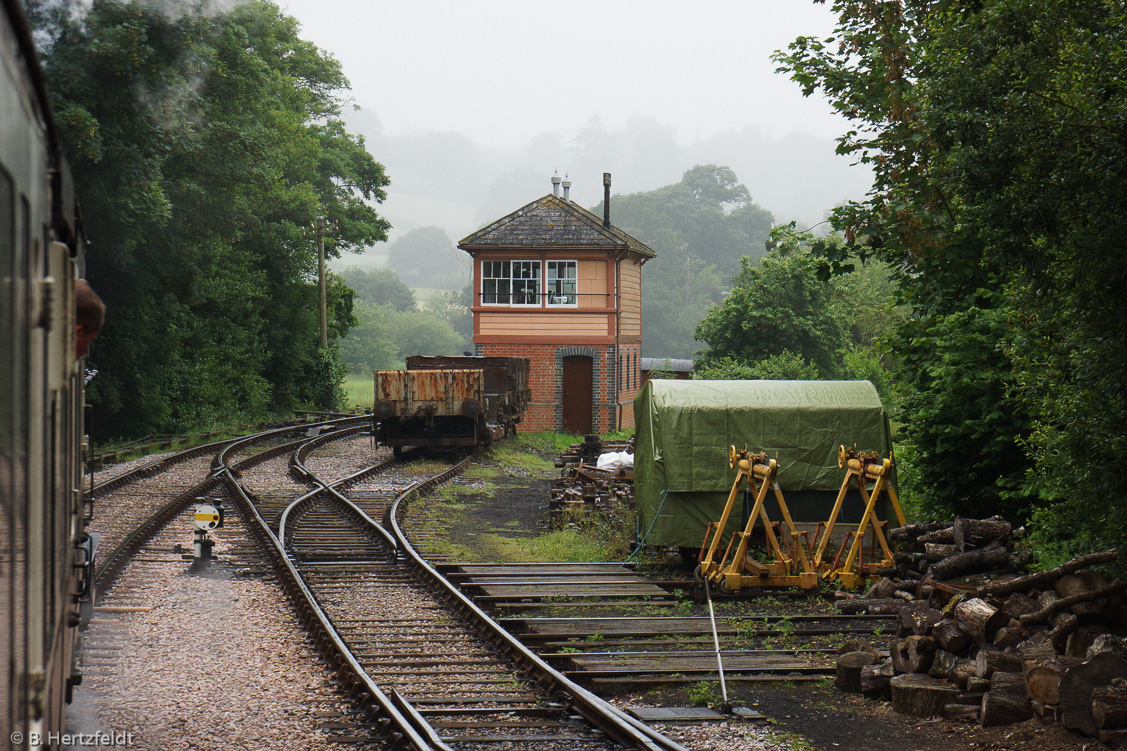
510, 282
560, 283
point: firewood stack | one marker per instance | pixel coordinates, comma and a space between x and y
977, 642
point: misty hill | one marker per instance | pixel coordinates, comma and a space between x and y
444, 179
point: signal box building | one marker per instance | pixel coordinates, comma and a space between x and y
561, 286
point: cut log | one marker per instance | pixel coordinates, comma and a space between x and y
1010, 635
1045, 578
974, 561
918, 618
1082, 582
1079, 682
1109, 706
849, 670
1049, 713
989, 662
1063, 626
977, 533
1018, 604
859, 645
875, 678
1107, 643
872, 607
1005, 703
881, 589
1042, 670
945, 536
961, 712
1063, 603
935, 551
1114, 738
921, 695
943, 664
949, 635
897, 650
974, 683
1081, 640
979, 619
965, 674
918, 653
911, 532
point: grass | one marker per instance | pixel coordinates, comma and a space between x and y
359, 390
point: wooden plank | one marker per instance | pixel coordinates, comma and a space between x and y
676, 714
579, 589
651, 662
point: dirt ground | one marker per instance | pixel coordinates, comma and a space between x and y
813, 716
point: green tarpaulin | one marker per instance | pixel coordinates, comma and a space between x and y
684, 428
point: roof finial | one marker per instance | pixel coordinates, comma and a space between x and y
566, 187
556, 184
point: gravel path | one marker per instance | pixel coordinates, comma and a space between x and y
209, 660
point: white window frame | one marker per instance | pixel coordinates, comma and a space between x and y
503, 271
551, 285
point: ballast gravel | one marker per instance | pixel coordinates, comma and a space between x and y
216, 662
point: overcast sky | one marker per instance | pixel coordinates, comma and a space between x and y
501, 71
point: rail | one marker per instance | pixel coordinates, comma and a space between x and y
622, 728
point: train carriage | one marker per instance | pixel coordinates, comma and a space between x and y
44, 552
450, 401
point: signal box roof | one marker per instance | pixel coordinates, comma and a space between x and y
552, 222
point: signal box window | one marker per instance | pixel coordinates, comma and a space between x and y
560, 283
510, 282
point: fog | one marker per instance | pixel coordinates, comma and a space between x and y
472, 107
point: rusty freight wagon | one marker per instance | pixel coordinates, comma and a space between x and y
450, 401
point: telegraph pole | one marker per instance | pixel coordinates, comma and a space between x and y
322, 228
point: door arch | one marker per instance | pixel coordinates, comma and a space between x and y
578, 386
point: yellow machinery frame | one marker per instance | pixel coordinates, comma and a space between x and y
731, 574
861, 467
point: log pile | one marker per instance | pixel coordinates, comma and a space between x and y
988, 645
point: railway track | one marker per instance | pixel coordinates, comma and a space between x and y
607, 627
441, 678
427, 665
131, 507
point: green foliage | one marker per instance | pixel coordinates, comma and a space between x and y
453, 307
386, 336
995, 134
700, 228
379, 287
702, 694
327, 373
202, 146
426, 257
780, 309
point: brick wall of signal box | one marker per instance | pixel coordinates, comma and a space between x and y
544, 378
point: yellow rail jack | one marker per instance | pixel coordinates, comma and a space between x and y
733, 572
860, 467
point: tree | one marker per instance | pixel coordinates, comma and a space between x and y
453, 307
700, 228
777, 307
425, 257
202, 146
379, 287
386, 336
995, 132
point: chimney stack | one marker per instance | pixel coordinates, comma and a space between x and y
556, 184
567, 188
606, 199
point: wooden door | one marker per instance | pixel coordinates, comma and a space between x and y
578, 394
